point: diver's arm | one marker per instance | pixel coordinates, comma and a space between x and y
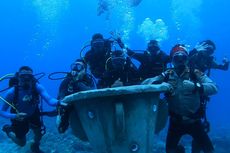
4, 113
138, 56
208, 86
141, 57
164, 77
155, 80
120, 43
223, 66
129, 51
5, 106
44, 94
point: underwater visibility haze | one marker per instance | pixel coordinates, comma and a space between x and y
48, 35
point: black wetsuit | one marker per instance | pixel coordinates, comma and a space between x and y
198, 60
203, 62
177, 129
70, 86
128, 75
151, 65
97, 56
25, 101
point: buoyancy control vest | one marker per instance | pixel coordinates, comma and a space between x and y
25, 100
201, 112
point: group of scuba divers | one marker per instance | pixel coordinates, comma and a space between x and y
105, 66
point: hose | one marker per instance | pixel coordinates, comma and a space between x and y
57, 78
9, 104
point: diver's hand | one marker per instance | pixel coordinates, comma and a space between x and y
116, 35
20, 116
168, 87
166, 74
201, 47
225, 60
61, 104
188, 85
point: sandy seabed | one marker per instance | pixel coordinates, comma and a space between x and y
53, 142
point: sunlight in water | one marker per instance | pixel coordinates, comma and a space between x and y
120, 17
49, 13
186, 18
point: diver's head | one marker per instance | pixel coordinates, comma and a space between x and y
118, 59
211, 47
98, 42
97, 36
25, 77
153, 46
179, 56
79, 66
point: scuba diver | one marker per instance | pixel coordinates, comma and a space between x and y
24, 99
119, 71
201, 57
153, 61
109, 66
187, 86
98, 54
77, 80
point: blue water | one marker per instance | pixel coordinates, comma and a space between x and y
48, 35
